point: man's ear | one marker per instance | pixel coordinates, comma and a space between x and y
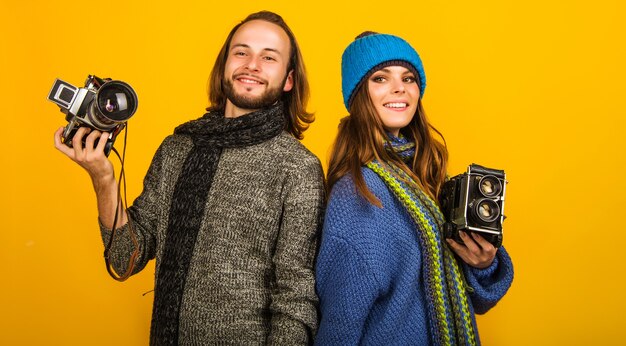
288, 82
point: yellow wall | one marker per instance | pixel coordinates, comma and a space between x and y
532, 87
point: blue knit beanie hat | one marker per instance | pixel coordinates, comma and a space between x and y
370, 52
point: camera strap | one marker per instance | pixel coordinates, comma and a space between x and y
121, 204
133, 256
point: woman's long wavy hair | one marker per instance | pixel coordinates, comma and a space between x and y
295, 100
361, 139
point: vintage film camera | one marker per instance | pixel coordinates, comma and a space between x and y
474, 202
103, 104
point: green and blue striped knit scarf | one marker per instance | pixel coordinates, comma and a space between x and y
448, 306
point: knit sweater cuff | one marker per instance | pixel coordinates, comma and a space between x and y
121, 248
485, 272
490, 284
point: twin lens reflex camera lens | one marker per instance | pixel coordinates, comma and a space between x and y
486, 209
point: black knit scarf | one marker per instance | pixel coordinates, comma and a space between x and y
210, 134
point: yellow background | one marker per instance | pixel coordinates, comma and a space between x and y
532, 87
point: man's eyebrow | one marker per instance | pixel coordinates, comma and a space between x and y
272, 50
243, 45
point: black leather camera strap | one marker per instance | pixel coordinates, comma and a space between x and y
107, 249
131, 260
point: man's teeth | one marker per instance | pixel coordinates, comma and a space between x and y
395, 105
244, 80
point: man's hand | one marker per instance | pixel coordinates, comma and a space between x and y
91, 158
100, 169
477, 251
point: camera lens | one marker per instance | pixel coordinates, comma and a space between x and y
486, 211
489, 186
116, 101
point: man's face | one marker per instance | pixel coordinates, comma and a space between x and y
256, 73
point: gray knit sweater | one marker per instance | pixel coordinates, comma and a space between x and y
251, 280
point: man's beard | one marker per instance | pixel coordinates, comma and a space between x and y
268, 98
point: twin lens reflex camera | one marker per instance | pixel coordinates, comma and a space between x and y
474, 202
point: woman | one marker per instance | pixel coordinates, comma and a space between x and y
385, 275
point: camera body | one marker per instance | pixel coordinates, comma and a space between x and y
102, 104
474, 202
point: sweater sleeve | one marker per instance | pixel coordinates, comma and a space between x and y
490, 284
294, 302
143, 218
348, 271
347, 290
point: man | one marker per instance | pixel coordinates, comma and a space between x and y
231, 204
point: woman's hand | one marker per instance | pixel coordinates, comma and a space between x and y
477, 251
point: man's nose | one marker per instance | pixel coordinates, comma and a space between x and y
253, 64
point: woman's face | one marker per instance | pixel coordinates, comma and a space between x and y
394, 93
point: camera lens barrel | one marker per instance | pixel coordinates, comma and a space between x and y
115, 102
99, 121
489, 186
485, 211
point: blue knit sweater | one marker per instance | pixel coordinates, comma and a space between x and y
369, 272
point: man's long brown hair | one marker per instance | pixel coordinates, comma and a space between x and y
295, 100
362, 137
